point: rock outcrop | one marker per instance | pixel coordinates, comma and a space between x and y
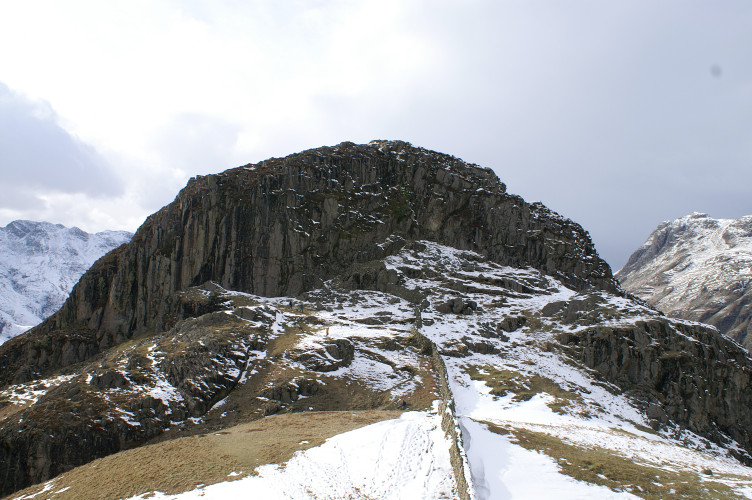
684, 374
128, 396
283, 226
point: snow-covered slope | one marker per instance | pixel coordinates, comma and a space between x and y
405, 458
534, 421
697, 268
39, 264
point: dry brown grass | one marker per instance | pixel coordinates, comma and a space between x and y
8, 409
604, 467
524, 387
236, 437
182, 464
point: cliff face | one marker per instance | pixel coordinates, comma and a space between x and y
283, 226
697, 268
684, 374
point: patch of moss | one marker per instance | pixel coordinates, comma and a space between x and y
523, 387
674, 356
644, 428
606, 468
535, 323
399, 204
242, 300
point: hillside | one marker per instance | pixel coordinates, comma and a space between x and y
39, 264
399, 324
700, 269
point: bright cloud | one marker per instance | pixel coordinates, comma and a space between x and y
617, 114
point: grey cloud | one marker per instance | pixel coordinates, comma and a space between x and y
606, 112
37, 154
197, 143
616, 114
18, 198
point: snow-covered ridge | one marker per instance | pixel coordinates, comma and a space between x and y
39, 264
697, 268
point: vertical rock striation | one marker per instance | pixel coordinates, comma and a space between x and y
685, 374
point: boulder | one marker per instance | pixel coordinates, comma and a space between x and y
457, 306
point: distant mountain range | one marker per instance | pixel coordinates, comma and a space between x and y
697, 268
39, 264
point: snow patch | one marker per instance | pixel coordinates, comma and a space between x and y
406, 458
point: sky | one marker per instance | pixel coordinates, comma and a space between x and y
617, 114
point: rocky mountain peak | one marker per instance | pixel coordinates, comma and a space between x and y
285, 225
39, 264
697, 268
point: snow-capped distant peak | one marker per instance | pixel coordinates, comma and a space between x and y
697, 268
39, 264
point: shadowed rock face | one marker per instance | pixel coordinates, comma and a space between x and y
685, 374
283, 226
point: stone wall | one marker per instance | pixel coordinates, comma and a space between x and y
449, 422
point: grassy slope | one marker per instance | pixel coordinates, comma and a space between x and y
182, 464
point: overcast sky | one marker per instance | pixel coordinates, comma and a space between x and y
617, 114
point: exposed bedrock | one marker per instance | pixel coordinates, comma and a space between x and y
688, 374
